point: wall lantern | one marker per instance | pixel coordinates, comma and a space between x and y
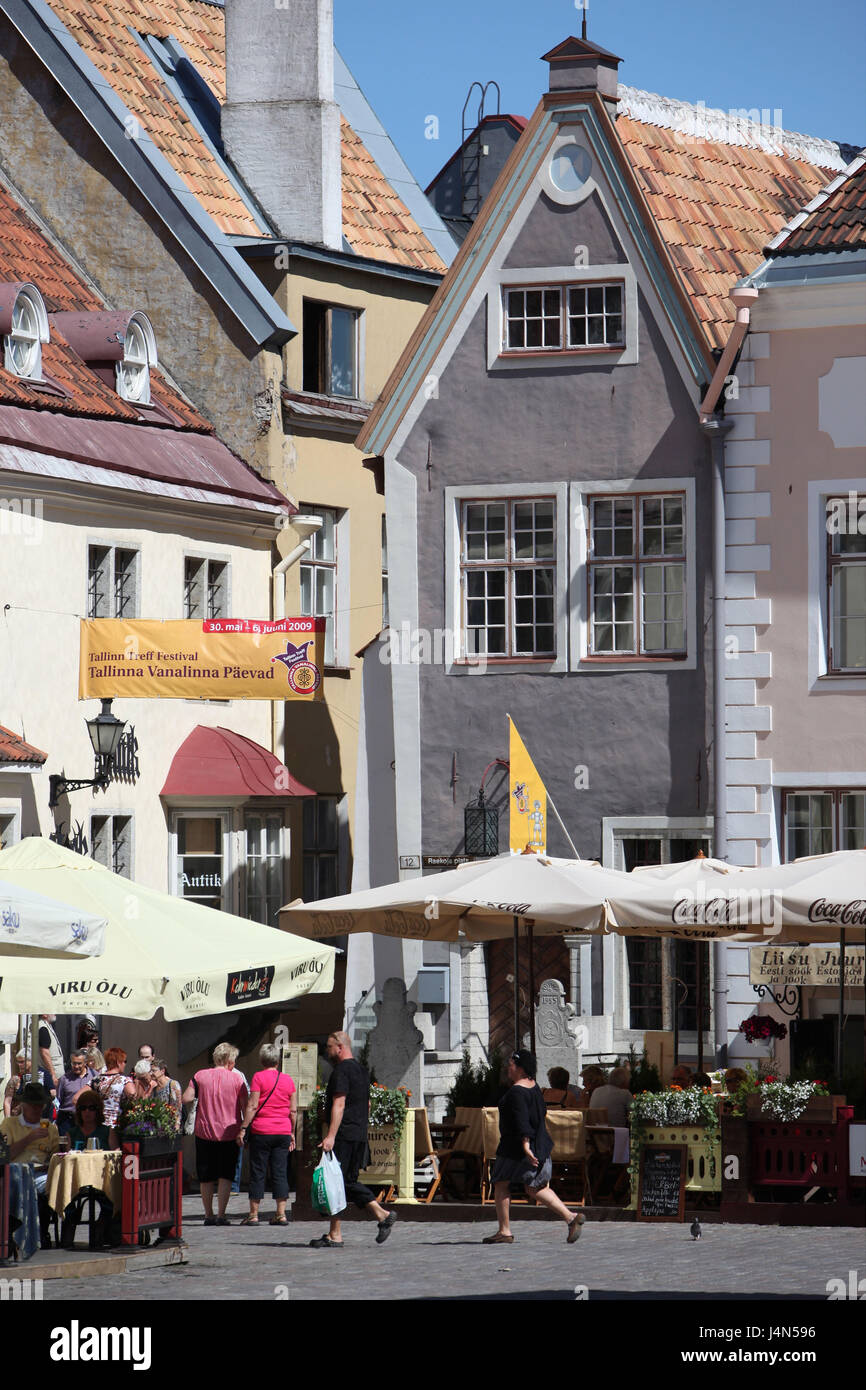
105, 730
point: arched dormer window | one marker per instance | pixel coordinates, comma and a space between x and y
24, 324
139, 355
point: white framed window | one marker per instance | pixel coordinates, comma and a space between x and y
111, 843
636, 575
506, 576
27, 331
836, 609
823, 820
331, 350
264, 877
10, 824
579, 315
321, 839
633, 574
321, 581
846, 586
139, 354
201, 857
205, 588
112, 582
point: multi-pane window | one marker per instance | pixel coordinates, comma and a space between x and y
23, 344
846, 581
264, 867
660, 971
820, 822
112, 582
508, 572
111, 843
200, 867
386, 610
636, 574
205, 588
319, 579
321, 848
563, 317
330, 350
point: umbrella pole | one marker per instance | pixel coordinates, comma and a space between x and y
34, 1047
531, 941
839, 1020
699, 1002
516, 989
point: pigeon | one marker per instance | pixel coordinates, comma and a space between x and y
695, 1229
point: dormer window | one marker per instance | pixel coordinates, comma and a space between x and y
133, 369
26, 331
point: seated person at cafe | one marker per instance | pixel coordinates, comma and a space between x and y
75, 1079
557, 1095
32, 1140
700, 1078
614, 1097
90, 1127
592, 1076
734, 1079
681, 1076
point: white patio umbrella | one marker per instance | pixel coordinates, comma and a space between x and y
160, 951
33, 925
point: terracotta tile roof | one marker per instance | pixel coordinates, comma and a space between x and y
14, 750
834, 221
719, 187
26, 254
376, 222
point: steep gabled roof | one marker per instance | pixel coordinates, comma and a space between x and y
835, 220
718, 186
376, 220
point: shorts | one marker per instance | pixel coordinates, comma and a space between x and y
520, 1170
215, 1159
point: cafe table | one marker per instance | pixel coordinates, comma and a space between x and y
69, 1173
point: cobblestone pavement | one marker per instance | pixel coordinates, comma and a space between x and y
443, 1260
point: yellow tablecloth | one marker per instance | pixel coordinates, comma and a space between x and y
69, 1172
565, 1127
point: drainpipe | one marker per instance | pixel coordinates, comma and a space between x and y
306, 527
715, 427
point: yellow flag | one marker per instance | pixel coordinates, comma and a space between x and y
528, 798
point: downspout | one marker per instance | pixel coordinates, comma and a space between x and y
716, 428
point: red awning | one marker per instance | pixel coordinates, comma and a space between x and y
219, 762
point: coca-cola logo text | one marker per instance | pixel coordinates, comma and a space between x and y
845, 914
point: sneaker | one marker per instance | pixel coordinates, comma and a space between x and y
385, 1228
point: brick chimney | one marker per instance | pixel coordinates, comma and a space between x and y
280, 123
576, 65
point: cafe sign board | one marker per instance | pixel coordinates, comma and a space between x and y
300, 1062
805, 965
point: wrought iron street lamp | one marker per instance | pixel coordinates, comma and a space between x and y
105, 731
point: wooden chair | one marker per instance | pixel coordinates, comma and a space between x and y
430, 1162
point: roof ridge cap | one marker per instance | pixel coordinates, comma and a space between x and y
815, 203
731, 127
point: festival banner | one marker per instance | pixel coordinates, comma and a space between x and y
218, 659
528, 798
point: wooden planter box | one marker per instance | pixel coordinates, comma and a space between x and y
151, 1188
704, 1166
820, 1110
735, 1145
392, 1165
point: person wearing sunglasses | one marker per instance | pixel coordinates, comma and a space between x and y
90, 1124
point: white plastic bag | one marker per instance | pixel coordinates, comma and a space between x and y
329, 1192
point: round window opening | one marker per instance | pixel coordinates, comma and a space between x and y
570, 167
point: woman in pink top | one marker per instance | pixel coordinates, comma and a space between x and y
221, 1094
271, 1119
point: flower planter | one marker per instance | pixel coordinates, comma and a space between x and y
819, 1110
392, 1164
735, 1145
704, 1164
151, 1188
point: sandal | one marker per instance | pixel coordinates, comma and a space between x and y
274, 1221
250, 1221
498, 1239
325, 1243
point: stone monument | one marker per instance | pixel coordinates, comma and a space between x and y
558, 1034
396, 1046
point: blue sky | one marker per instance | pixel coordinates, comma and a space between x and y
417, 58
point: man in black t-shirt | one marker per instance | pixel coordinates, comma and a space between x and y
347, 1110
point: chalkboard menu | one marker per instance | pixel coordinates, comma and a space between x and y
662, 1182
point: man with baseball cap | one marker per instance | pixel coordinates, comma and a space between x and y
32, 1141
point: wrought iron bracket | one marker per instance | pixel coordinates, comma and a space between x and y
788, 1001
58, 786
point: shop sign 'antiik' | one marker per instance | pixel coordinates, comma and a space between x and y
218, 659
805, 965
